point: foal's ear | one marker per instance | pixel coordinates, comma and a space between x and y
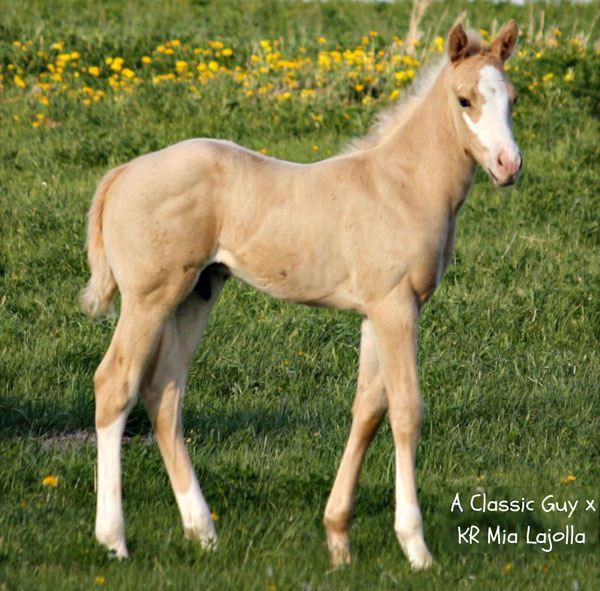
457, 43
504, 44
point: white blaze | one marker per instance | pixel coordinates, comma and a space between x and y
494, 128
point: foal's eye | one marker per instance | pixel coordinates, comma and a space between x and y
464, 102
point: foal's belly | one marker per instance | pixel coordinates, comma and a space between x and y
293, 277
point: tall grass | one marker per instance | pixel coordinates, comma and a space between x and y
509, 344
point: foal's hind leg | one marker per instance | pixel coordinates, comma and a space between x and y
368, 410
116, 384
163, 391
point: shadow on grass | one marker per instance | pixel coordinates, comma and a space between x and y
44, 418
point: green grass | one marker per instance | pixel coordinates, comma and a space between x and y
509, 355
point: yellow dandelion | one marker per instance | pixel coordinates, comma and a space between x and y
316, 149
263, 150
146, 59
547, 77
359, 87
19, 82
49, 480
128, 73
439, 44
373, 34
175, 43
227, 52
322, 40
507, 567
75, 55
213, 66
94, 71
569, 76
570, 477
99, 579
215, 516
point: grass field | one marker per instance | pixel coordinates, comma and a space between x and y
509, 355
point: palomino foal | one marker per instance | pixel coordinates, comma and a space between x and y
371, 230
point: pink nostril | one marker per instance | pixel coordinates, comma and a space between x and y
501, 161
507, 164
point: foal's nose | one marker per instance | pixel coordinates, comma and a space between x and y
509, 162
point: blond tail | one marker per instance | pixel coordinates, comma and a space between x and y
96, 298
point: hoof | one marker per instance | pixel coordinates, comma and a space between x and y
207, 540
340, 555
417, 553
422, 562
116, 549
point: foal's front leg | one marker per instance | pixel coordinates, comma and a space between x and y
396, 319
369, 407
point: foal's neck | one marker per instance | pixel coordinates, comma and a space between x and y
426, 148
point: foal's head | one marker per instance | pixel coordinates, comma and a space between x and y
482, 100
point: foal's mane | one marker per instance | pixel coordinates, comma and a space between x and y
395, 116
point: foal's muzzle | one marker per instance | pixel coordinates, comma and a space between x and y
507, 167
